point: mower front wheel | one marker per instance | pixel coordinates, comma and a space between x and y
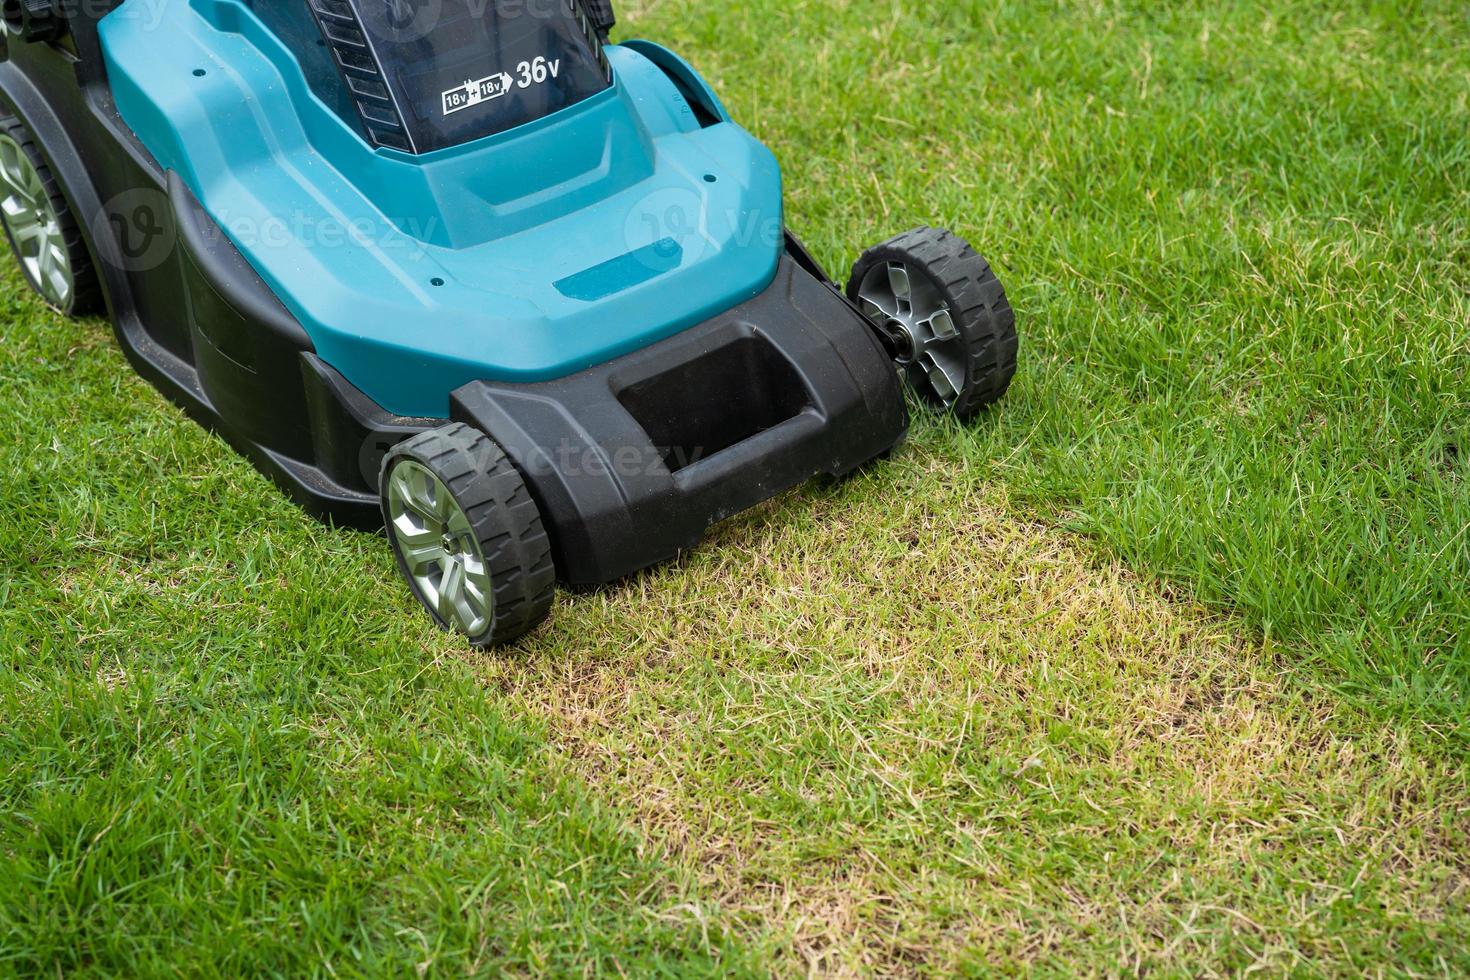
943, 315
468, 538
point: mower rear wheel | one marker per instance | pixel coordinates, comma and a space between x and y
944, 315
467, 536
42, 230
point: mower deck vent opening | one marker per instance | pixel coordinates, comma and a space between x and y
716, 401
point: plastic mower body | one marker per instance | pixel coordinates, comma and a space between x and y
466, 270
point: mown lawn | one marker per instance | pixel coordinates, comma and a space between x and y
1162, 666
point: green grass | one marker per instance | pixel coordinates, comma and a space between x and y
1238, 236
227, 747
1162, 666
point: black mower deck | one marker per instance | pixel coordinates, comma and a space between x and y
631, 461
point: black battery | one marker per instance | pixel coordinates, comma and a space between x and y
424, 75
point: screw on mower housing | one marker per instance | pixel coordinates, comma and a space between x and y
467, 270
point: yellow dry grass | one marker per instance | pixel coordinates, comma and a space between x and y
918, 732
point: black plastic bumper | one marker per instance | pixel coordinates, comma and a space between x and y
633, 460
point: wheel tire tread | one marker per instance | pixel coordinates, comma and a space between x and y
506, 522
977, 299
86, 285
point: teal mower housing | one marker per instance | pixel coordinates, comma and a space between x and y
467, 271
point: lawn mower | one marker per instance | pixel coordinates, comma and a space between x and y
467, 271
